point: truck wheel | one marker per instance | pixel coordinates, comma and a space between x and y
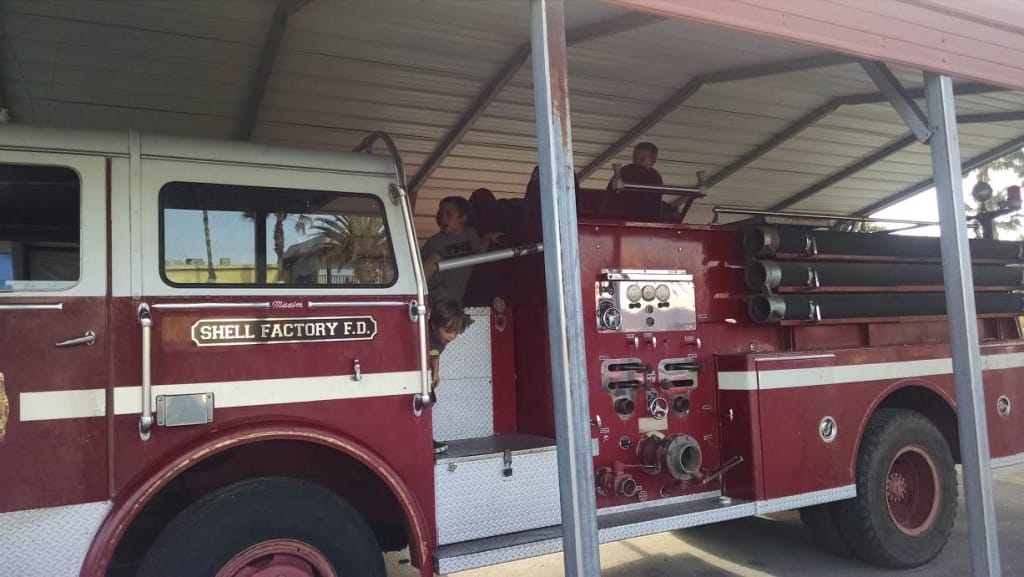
267, 526
906, 492
823, 528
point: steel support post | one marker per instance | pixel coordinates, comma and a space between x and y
963, 327
564, 292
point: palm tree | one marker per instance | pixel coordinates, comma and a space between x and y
353, 240
1013, 161
211, 273
302, 223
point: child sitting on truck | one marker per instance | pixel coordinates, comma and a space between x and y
447, 322
454, 239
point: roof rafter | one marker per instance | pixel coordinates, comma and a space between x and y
271, 47
889, 150
504, 75
899, 98
965, 167
880, 154
681, 95
809, 119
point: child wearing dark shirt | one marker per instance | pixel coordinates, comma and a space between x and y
638, 205
447, 322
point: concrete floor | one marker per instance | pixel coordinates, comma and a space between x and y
774, 546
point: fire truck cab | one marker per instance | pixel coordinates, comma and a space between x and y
212, 362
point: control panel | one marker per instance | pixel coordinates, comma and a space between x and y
647, 301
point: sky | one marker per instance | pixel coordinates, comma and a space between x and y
923, 207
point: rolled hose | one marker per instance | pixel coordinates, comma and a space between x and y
765, 308
768, 240
771, 274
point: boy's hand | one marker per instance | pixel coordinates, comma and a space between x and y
435, 378
431, 264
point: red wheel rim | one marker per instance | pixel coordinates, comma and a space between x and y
278, 558
912, 491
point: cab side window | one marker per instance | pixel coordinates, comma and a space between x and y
40, 227
216, 234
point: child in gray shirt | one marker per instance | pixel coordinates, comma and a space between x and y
454, 239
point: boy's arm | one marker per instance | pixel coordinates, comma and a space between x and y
431, 255
435, 369
482, 243
431, 264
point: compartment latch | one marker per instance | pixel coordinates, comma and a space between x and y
507, 471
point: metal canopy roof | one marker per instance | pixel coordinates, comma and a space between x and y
774, 124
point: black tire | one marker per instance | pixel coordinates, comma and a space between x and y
822, 528
865, 520
203, 538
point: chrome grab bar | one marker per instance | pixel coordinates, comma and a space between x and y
619, 185
32, 307
490, 256
206, 306
146, 418
720, 210
331, 304
417, 308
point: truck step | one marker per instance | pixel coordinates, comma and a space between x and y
614, 524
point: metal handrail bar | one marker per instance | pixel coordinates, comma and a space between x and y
718, 210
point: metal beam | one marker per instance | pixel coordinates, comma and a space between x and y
987, 117
824, 110
899, 98
5, 113
504, 75
776, 140
660, 112
888, 150
779, 67
564, 293
967, 166
962, 317
667, 106
271, 46
965, 89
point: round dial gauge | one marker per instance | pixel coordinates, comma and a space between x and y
611, 318
633, 293
648, 292
663, 292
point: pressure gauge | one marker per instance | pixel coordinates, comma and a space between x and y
663, 293
633, 293
611, 318
649, 292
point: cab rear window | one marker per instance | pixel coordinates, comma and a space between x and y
40, 228
231, 235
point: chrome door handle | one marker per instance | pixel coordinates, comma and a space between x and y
87, 339
146, 419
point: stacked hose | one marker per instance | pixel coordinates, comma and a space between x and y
821, 276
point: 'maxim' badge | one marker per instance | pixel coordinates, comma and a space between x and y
225, 332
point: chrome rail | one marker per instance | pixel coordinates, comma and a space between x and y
331, 304
719, 210
418, 307
209, 306
32, 307
146, 418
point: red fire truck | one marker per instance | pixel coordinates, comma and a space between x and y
212, 362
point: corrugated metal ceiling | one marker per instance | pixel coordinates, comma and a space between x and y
413, 68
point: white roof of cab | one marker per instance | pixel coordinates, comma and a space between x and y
21, 137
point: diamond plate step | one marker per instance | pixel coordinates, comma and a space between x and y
614, 525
